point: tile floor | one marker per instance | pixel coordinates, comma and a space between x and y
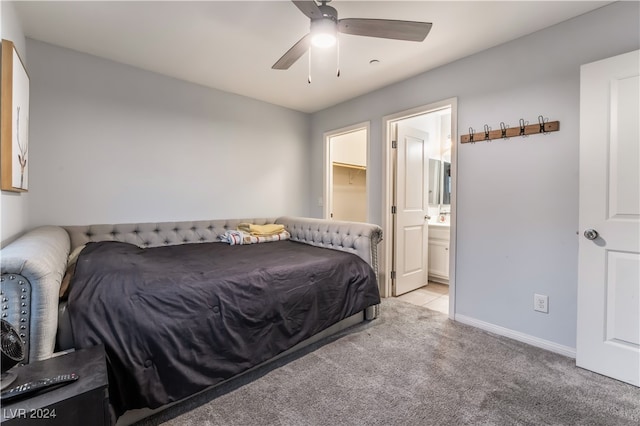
434, 296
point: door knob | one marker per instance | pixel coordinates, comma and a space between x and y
591, 234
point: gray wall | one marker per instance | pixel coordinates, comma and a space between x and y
13, 205
111, 143
517, 212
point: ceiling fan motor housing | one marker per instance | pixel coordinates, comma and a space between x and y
328, 12
328, 20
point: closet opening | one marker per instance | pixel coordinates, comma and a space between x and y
346, 183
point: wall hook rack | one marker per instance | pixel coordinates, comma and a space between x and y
543, 126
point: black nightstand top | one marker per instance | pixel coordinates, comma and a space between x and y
89, 364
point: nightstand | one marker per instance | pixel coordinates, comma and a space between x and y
83, 402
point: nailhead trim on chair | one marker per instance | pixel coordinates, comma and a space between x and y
15, 309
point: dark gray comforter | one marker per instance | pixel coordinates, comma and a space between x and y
177, 319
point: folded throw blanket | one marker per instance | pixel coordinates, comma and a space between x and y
240, 237
232, 237
261, 230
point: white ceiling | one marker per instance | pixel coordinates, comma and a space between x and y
231, 45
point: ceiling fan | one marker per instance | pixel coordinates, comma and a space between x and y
325, 26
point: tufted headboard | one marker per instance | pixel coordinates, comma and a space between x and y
155, 234
353, 237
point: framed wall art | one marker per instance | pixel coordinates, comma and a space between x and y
14, 121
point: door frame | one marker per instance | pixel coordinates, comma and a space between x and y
388, 169
328, 167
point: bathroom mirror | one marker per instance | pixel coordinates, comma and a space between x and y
434, 181
439, 182
445, 186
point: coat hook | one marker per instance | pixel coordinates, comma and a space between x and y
503, 130
542, 121
471, 134
522, 124
486, 132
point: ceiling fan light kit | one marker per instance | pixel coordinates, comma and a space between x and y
325, 27
323, 33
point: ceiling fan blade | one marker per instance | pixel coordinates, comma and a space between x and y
309, 8
293, 54
385, 28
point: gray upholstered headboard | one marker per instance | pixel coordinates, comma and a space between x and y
353, 237
155, 234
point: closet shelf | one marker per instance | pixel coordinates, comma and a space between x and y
349, 166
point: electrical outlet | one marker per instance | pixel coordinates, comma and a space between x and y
541, 303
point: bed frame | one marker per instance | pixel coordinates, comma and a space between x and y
32, 267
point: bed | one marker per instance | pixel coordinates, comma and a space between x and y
179, 311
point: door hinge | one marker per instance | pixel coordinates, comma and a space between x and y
393, 209
394, 144
393, 275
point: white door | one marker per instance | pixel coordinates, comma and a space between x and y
608, 335
411, 202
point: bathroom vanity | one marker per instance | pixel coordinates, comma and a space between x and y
439, 253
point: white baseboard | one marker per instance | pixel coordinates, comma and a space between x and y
516, 335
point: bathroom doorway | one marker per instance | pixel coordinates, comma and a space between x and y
420, 166
346, 183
